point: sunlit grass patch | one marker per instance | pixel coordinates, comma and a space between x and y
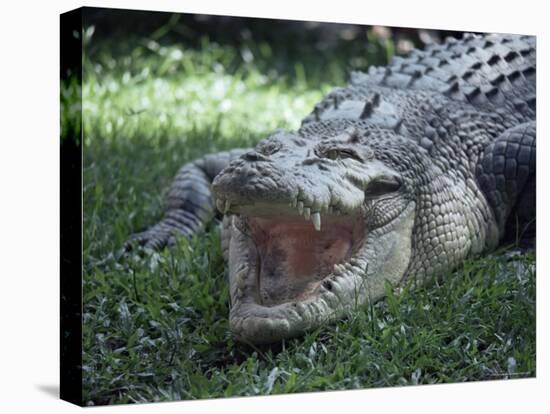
175, 92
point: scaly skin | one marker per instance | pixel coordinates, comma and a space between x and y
404, 173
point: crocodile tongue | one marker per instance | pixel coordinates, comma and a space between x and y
295, 257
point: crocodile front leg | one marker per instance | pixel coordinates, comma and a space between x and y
189, 204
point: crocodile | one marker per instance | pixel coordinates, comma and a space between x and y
397, 177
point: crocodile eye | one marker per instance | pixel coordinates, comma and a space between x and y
382, 186
340, 153
332, 155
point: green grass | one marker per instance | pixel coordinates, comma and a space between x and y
155, 327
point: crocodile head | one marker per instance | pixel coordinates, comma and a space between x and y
318, 224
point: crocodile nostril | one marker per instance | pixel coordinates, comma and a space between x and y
254, 156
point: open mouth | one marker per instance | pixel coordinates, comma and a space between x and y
294, 256
291, 270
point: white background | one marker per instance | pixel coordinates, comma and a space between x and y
29, 204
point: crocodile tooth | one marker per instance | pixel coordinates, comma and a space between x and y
227, 206
301, 207
234, 225
316, 218
307, 213
220, 205
338, 267
241, 278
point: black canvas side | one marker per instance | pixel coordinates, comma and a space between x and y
71, 206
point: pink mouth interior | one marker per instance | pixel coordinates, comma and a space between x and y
294, 258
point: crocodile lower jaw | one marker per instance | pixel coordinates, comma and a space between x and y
323, 289
294, 273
